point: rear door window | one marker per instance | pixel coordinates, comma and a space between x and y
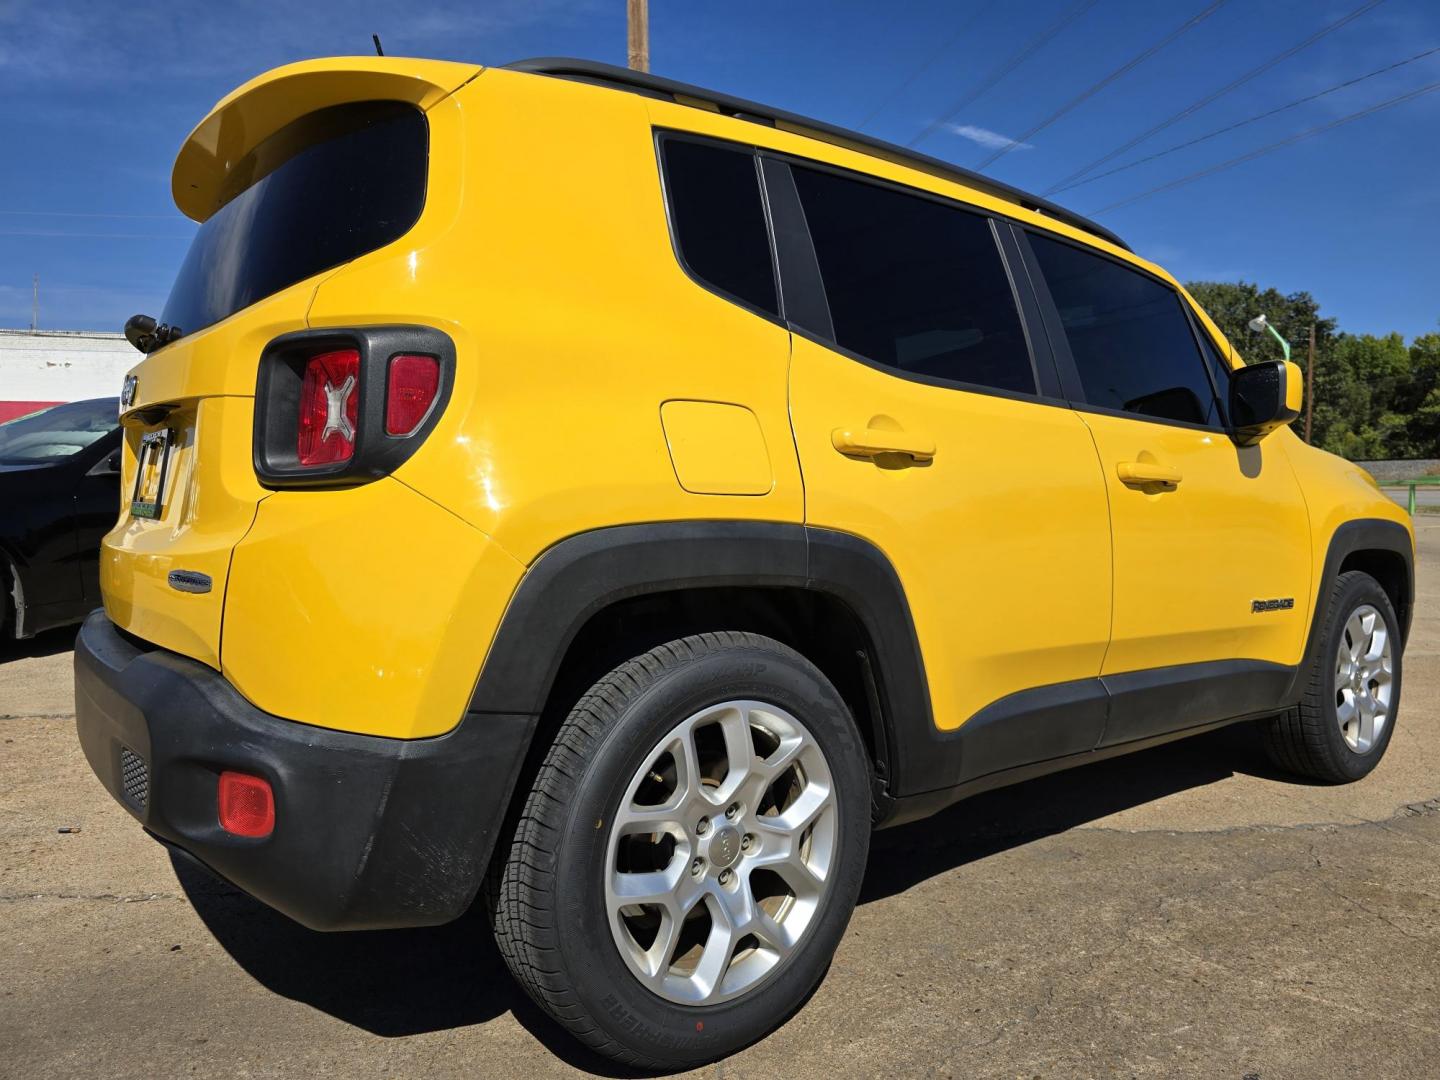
322, 190
1134, 349
914, 284
718, 219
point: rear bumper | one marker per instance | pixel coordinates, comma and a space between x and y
370, 832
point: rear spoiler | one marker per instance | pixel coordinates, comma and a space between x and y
247, 116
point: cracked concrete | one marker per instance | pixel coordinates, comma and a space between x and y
1185, 912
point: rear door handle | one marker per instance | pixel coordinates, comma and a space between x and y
1140, 473
872, 442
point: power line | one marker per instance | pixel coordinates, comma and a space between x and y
1094, 89
1253, 73
1253, 154
81, 214
1007, 66
91, 236
1250, 120
941, 51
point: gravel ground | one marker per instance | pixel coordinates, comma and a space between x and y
1181, 912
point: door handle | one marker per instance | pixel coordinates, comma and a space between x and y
1140, 473
872, 442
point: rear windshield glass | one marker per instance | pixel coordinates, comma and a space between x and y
319, 192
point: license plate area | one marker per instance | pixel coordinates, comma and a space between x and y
151, 465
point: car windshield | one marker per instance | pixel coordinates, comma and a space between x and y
56, 433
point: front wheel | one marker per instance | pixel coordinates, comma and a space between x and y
1345, 718
691, 851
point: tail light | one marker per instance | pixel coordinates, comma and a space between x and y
329, 408
245, 804
409, 392
343, 407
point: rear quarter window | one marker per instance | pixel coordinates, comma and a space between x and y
323, 190
718, 220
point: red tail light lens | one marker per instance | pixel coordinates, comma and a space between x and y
341, 406
246, 805
329, 408
411, 386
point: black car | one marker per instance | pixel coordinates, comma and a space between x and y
59, 494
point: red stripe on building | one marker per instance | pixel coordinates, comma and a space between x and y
9, 410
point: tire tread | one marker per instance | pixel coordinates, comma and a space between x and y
1300, 739
524, 881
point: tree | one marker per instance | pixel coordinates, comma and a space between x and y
1421, 402
1374, 397
1233, 304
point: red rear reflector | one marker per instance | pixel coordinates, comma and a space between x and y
247, 805
329, 408
410, 390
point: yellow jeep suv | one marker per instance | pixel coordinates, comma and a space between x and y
609, 500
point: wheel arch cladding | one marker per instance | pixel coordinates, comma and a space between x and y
1382, 549
772, 576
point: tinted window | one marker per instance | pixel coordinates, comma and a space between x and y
914, 284
1219, 374
57, 433
1130, 338
321, 191
718, 219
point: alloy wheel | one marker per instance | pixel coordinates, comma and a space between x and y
1363, 679
720, 853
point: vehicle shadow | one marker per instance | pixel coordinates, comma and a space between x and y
391, 983
407, 982
1010, 817
46, 643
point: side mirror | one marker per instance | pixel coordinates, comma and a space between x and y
109, 465
1264, 397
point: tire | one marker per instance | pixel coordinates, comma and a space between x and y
1314, 739
623, 761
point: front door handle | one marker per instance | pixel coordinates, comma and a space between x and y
1141, 473
872, 442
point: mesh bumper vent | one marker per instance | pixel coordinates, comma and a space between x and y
134, 778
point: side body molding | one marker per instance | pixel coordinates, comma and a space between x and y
1026, 734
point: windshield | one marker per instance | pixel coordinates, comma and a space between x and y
56, 433
321, 191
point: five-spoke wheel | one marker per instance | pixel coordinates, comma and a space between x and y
1363, 679
720, 851
690, 851
1350, 689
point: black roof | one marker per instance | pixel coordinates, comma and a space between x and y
639, 82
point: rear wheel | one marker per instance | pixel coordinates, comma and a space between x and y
691, 851
1344, 721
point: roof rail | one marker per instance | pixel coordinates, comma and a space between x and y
637, 82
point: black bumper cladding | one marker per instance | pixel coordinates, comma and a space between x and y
370, 832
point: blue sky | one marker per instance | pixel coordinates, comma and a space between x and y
96, 97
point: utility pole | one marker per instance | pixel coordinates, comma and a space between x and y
35, 304
637, 20
1310, 385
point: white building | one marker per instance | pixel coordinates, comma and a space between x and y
51, 366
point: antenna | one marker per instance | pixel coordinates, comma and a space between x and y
378, 50
35, 304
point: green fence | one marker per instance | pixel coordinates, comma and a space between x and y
1410, 486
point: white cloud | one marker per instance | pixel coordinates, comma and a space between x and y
991, 140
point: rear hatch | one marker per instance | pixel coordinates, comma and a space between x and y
294, 175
